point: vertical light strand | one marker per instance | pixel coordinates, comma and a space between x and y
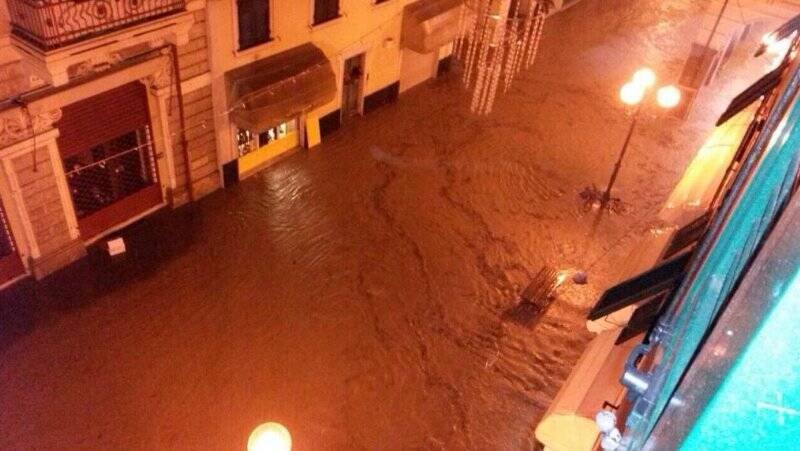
522, 41
536, 37
530, 31
462, 15
482, 69
477, 30
496, 39
498, 46
513, 46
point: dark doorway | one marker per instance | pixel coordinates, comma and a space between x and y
352, 87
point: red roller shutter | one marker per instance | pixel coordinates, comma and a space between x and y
101, 118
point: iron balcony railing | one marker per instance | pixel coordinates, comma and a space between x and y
50, 24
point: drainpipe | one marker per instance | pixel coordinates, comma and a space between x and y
182, 117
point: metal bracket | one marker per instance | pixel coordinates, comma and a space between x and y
636, 381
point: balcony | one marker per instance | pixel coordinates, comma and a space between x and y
51, 24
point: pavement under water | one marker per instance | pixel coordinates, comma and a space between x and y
358, 292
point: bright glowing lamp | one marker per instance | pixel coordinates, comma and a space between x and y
768, 39
668, 96
270, 437
644, 77
631, 93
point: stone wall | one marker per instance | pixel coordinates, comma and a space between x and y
44, 207
198, 117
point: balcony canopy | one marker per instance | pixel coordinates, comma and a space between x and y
269, 91
430, 24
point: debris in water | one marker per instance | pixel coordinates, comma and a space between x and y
580, 277
536, 298
116, 246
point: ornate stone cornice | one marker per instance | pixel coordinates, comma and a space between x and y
12, 80
164, 76
17, 124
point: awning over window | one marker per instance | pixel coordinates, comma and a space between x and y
269, 91
430, 24
664, 277
101, 118
783, 32
760, 88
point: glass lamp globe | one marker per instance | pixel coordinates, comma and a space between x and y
631, 93
645, 77
270, 437
668, 96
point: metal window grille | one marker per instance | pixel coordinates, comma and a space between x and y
109, 172
7, 246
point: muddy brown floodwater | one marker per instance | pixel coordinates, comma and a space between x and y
356, 292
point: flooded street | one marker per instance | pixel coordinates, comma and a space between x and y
356, 292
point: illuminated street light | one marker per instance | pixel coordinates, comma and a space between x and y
668, 96
645, 77
631, 93
270, 437
768, 40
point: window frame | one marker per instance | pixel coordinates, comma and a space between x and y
237, 35
312, 19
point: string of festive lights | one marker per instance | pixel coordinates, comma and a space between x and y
496, 40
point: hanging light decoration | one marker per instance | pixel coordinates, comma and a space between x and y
497, 38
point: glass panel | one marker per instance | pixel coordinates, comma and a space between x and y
757, 404
275, 133
245, 142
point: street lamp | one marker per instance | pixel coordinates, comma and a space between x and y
633, 93
270, 437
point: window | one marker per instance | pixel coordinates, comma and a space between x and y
248, 141
253, 17
325, 11
106, 173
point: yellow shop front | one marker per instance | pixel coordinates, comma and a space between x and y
269, 99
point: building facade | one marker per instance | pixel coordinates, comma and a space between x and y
105, 119
286, 73
111, 111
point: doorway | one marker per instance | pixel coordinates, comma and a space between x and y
352, 86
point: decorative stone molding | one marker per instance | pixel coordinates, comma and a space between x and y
52, 65
17, 125
164, 76
12, 80
81, 69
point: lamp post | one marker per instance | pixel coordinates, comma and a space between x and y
634, 93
